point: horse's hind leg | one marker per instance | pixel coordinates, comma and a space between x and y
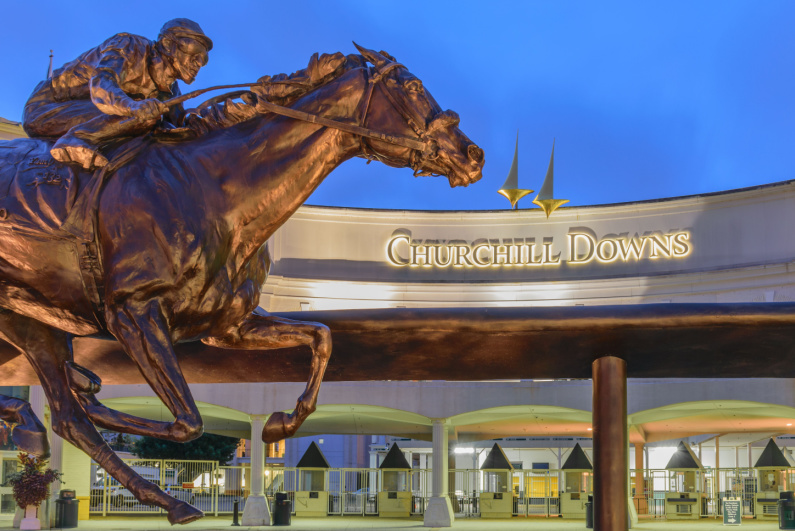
142, 331
28, 433
48, 350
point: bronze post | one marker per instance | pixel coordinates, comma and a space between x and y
610, 444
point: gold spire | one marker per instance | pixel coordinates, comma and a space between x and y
544, 199
510, 188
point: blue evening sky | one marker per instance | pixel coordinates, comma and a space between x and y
646, 99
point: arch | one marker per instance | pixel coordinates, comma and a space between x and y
685, 419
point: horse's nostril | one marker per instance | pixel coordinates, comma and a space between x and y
475, 153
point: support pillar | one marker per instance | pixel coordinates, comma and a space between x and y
640, 495
610, 444
750, 456
439, 512
257, 511
717, 466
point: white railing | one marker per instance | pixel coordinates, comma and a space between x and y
354, 491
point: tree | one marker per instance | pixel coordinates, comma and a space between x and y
208, 447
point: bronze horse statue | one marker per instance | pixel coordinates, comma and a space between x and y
180, 254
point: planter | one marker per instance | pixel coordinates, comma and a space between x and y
30, 521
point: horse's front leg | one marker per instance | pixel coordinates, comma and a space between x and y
141, 329
262, 331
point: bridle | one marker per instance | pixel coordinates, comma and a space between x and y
422, 147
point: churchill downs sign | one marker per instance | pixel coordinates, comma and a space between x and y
582, 246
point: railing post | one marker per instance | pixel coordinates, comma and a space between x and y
105, 493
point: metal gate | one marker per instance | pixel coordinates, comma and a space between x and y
196, 482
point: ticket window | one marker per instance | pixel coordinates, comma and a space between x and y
496, 481
577, 481
395, 480
312, 480
685, 481
771, 480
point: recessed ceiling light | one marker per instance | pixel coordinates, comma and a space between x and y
590, 429
790, 424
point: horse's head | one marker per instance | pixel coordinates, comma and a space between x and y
447, 151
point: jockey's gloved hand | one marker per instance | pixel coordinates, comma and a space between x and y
150, 109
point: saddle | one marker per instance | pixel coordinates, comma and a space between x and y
41, 195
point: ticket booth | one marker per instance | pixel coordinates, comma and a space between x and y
496, 496
394, 498
771, 477
685, 498
577, 483
311, 498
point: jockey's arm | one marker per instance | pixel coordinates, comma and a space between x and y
106, 92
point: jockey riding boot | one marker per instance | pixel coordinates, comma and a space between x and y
72, 148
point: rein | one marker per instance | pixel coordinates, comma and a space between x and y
424, 147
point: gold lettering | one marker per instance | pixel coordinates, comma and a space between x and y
462, 254
437, 253
680, 247
574, 258
603, 256
498, 255
548, 257
391, 251
419, 252
476, 255
627, 246
657, 244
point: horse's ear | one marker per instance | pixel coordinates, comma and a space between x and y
388, 56
375, 58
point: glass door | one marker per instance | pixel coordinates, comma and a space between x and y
8, 465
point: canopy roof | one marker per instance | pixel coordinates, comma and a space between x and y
772, 457
577, 460
684, 459
395, 459
496, 460
313, 458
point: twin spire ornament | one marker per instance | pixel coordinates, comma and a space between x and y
510, 188
545, 198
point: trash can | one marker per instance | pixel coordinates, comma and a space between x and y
282, 509
589, 512
66, 510
786, 510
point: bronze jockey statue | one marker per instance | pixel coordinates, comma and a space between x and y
115, 90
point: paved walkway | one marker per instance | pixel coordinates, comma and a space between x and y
355, 523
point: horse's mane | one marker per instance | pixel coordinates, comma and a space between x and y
281, 89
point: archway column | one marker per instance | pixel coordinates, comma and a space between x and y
640, 496
439, 512
257, 511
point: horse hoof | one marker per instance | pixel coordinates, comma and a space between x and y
276, 428
82, 380
33, 442
184, 513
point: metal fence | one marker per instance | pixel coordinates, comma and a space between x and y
204, 484
354, 491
